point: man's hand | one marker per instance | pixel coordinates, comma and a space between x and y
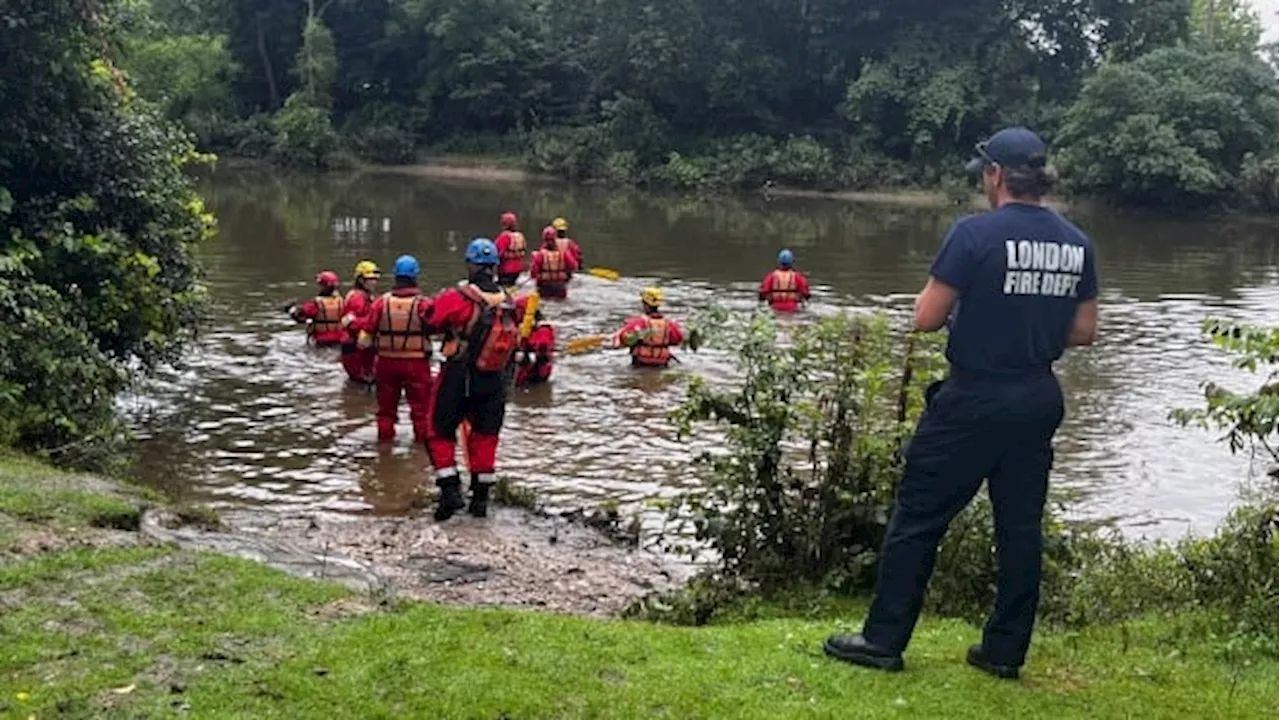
934, 304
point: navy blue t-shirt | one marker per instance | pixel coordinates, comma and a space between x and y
1020, 271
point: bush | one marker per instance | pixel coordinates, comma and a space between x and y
574, 153
384, 144
1258, 176
304, 136
98, 222
803, 489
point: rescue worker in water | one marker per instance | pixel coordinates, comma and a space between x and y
323, 313
552, 268
650, 336
512, 248
395, 327
536, 353
785, 288
566, 243
359, 362
481, 329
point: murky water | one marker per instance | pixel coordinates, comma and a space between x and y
255, 417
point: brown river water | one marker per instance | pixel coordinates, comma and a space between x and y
256, 419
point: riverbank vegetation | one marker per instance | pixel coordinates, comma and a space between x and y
97, 223
801, 494
1167, 103
99, 621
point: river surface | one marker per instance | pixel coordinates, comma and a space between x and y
255, 418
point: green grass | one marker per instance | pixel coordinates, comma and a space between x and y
157, 632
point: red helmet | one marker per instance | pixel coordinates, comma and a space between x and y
548, 234
328, 278
508, 221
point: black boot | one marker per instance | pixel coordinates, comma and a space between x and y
479, 496
855, 649
978, 658
450, 500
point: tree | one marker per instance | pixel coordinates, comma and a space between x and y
97, 226
1225, 25
1177, 128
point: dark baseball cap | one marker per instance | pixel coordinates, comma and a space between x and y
1013, 148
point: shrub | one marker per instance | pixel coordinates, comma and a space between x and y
385, 144
812, 451
98, 222
572, 153
304, 136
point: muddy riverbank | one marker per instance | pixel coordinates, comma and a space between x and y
514, 558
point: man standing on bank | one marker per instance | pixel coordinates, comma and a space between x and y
1016, 286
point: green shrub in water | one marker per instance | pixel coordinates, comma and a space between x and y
813, 439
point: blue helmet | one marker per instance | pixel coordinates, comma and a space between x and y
406, 266
785, 258
482, 251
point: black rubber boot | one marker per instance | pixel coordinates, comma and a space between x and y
479, 497
450, 500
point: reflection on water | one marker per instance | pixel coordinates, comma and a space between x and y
255, 416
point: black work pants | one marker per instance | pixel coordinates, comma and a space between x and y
972, 429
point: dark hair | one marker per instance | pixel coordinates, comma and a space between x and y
1030, 182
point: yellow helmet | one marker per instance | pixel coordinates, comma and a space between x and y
366, 269
560, 224
651, 296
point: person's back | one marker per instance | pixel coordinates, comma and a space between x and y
1017, 286
1019, 272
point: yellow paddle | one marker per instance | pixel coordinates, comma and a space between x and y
606, 273
584, 344
530, 312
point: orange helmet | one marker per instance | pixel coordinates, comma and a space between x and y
508, 221
328, 279
548, 234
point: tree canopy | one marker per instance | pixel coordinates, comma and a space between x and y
826, 93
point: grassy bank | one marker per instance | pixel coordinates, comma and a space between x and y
95, 621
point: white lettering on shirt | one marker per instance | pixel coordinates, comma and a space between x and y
1042, 268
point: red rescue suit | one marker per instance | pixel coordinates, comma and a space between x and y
398, 323
567, 244
482, 331
533, 361
512, 248
357, 361
323, 316
784, 289
650, 338
552, 269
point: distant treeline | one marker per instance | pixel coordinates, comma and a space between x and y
1167, 103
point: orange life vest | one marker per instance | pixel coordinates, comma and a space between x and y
784, 287
329, 317
516, 246
400, 333
553, 270
491, 335
654, 348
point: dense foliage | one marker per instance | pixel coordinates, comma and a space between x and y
693, 94
97, 222
801, 492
